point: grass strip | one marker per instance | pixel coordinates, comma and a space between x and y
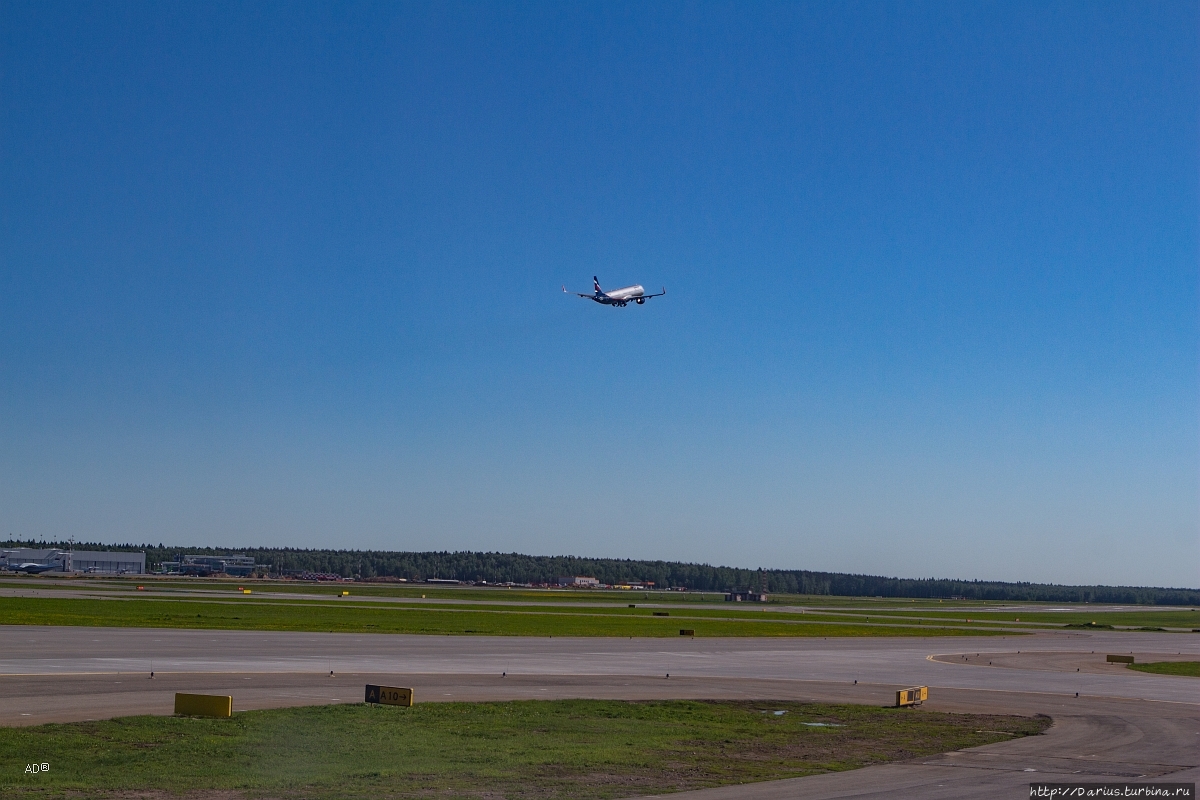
477, 593
527, 749
1189, 669
331, 617
992, 610
739, 613
913, 612
731, 612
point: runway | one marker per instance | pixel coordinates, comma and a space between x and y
1123, 724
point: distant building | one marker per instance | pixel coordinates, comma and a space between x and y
233, 565
307, 575
108, 562
103, 562
747, 596
587, 582
577, 580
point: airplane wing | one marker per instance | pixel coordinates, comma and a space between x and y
656, 294
589, 296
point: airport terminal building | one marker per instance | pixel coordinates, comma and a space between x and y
236, 565
109, 563
103, 562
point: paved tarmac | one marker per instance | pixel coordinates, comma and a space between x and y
1123, 725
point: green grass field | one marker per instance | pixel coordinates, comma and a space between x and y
1190, 669
474, 594
434, 609
246, 613
482, 593
529, 749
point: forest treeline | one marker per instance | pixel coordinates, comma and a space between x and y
518, 568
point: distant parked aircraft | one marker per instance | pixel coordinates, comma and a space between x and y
33, 568
618, 297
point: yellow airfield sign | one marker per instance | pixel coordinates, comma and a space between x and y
204, 705
912, 697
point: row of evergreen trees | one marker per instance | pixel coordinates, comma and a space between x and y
517, 568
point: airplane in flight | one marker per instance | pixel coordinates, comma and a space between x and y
618, 297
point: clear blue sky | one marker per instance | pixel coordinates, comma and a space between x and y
288, 274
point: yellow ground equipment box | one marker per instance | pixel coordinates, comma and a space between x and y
1119, 659
204, 705
912, 697
245, 591
389, 695
345, 594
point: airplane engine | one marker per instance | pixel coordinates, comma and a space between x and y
641, 301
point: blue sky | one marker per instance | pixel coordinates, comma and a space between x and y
284, 274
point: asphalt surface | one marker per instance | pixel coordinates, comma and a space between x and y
1123, 725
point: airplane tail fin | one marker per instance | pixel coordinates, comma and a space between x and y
596, 283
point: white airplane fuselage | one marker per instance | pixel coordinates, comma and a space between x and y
619, 297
